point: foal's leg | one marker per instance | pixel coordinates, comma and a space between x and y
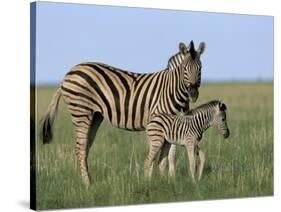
171, 158
190, 147
202, 163
163, 157
155, 145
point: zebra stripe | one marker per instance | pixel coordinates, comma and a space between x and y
124, 98
166, 129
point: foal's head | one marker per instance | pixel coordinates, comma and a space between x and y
219, 119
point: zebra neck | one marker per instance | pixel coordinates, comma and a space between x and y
175, 61
172, 98
203, 120
177, 90
206, 125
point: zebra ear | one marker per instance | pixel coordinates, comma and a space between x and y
182, 48
201, 48
222, 106
191, 49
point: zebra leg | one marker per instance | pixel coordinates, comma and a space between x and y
155, 146
171, 158
85, 130
202, 163
96, 121
163, 157
191, 157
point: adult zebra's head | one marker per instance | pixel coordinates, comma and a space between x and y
188, 62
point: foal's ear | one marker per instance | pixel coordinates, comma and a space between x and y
222, 106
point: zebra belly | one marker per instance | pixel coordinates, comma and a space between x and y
133, 125
78, 104
177, 142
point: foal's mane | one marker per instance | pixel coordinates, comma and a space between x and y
201, 107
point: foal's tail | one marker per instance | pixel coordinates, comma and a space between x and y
46, 133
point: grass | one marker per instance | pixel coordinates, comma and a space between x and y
241, 166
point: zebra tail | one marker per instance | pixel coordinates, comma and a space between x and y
46, 132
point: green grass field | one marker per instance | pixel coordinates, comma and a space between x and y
241, 166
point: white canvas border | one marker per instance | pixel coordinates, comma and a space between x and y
14, 107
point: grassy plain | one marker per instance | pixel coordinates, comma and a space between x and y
241, 166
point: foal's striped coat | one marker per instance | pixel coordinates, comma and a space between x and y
187, 130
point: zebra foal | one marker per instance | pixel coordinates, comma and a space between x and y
163, 130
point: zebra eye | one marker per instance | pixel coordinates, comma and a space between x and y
223, 119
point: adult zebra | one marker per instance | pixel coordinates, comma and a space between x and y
94, 91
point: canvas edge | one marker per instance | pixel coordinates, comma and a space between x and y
32, 105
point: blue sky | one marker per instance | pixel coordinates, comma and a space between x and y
238, 47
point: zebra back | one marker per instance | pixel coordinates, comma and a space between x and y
127, 99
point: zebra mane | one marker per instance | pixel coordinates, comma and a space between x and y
210, 104
175, 61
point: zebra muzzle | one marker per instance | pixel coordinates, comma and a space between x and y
194, 96
226, 135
